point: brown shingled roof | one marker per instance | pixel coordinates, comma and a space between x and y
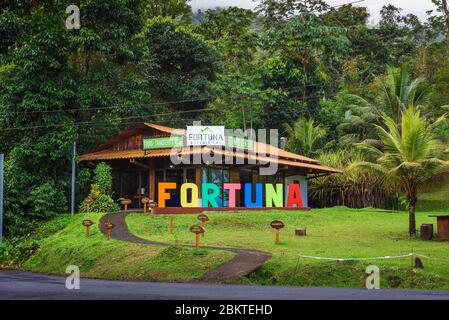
262, 152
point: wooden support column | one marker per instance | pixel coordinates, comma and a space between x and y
152, 182
198, 180
235, 178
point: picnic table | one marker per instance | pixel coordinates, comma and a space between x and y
443, 226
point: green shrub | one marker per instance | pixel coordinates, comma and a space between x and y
103, 178
6, 251
46, 200
100, 202
100, 191
104, 203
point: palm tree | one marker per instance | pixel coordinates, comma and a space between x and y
410, 155
304, 137
396, 90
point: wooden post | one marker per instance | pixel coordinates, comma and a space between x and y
152, 182
87, 223
171, 224
198, 180
108, 225
203, 218
276, 224
88, 201
197, 230
144, 207
197, 240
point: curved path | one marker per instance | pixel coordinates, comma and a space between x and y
244, 262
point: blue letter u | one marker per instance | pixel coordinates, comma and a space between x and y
248, 196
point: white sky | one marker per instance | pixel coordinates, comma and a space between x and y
417, 7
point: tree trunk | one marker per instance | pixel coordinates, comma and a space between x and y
412, 221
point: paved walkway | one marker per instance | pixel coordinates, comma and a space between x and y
244, 262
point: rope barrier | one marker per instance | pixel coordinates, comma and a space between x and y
364, 259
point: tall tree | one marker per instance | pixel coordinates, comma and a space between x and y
302, 52
60, 86
394, 92
238, 86
183, 64
443, 20
304, 137
410, 154
176, 9
278, 11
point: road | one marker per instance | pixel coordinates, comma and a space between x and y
25, 285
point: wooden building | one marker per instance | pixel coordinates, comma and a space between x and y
141, 158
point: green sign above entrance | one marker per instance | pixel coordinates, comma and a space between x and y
178, 141
240, 143
163, 142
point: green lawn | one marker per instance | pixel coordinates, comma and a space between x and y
62, 242
335, 232
436, 202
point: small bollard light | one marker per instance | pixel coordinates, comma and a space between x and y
108, 225
88, 202
87, 223
203, 218
126, 202
145, 202
276, 224
152, 205
197, 230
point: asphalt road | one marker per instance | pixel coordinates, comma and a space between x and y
24, 285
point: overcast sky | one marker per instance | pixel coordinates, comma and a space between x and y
417, 7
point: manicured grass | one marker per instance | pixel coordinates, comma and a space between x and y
335, 232
62, 242
437, 201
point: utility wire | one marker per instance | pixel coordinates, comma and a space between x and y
148, 104
82, 123
347, 4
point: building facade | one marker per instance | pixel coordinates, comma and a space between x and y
149, 153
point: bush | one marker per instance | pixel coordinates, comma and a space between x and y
46, 200
100, 202
104, 203
6, 251
100, 191
103, 178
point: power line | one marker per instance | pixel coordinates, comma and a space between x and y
347, 4
83, 123
93, 122
148, 104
